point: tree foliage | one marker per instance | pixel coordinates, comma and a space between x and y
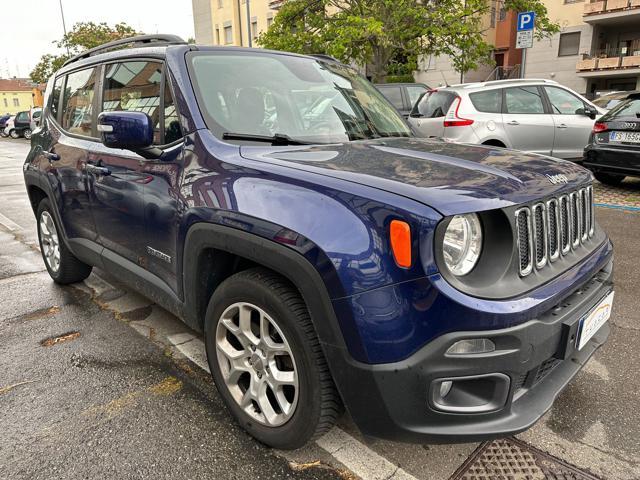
83, 36
375, 32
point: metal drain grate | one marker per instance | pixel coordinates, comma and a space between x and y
509, 458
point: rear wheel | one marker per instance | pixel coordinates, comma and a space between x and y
62, 265
609, 178
14, 133
267, 362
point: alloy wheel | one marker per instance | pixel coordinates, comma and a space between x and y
50, 241
257, 364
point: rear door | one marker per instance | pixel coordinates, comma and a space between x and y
116, 177
427, 117
527, 123
572, 126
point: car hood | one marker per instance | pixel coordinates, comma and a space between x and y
452, 178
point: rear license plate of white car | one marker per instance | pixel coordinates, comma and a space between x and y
625, 137
591, 322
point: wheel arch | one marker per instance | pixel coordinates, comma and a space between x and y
213, 252
494, 142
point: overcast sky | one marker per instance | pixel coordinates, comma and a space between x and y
30, 26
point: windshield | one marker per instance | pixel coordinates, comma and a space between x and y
304, 99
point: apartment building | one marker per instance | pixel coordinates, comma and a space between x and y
597, 50
232, 22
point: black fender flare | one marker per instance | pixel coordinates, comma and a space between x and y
277, 257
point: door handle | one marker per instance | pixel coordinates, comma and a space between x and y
52, 157
97, 170
562, 125
513, 122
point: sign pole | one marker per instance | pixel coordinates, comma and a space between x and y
524, 62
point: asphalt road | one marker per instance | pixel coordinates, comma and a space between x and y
98, 382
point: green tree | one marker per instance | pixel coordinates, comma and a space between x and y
83, 36
374, 32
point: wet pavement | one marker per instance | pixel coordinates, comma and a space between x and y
98, 382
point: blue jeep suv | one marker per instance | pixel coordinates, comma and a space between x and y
280, 205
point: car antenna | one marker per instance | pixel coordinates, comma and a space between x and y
446, 84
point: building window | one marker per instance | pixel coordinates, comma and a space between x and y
16, 102
569, 44
217, 36
493, 16
503, 14
269, 22
254, 30
6, 104
220, 4
573, 1
228, 35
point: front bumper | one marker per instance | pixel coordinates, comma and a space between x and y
539, 358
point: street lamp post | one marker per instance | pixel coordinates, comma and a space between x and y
249, 32
64, 26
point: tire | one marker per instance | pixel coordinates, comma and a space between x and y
67, 269
609, 178
27, 134
313, 403
14, 134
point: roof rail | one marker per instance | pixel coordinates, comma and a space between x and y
139, 41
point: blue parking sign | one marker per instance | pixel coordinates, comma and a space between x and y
526, 21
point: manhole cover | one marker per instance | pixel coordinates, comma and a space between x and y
511, 459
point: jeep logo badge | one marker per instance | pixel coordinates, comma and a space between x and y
559, 178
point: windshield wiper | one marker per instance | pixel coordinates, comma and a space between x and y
276, 139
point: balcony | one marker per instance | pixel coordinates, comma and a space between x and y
611, 61
611, 11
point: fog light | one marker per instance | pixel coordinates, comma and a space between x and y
445, 388
471, 346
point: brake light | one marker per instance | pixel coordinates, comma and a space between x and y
599, 127
400, 234
453, 119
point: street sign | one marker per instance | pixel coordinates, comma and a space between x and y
524, 39
526, 21
525, 26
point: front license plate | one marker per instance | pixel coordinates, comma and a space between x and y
591, 323
625, 137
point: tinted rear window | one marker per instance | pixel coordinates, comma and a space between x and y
488, 102
435, 104
627, 108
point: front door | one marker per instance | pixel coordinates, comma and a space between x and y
527, 124
572, 126
117, 178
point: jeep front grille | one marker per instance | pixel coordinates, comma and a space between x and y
545, 231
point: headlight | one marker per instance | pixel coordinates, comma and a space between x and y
462, 243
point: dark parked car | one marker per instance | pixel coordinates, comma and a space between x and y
19, 126
440, 292
610, 100
613, 152
403, 96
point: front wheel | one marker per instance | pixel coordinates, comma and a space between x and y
266, 360
14, 134
609, 178
62, 265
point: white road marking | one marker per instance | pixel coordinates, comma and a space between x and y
9, 224
192, 348
359, 458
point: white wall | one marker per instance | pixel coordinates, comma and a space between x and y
543, 61
202, 21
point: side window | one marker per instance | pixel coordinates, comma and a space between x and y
525, 100
172, 130
436, 104
134, 86
563, 102
394, 95
489, 101
55, 97
77, 103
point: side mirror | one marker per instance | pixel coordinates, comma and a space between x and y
127, 130
590, 112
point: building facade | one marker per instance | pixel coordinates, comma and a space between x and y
597, 50
232, 22
16, 95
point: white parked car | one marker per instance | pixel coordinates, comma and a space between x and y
539, 116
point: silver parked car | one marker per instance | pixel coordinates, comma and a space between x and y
539, 116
